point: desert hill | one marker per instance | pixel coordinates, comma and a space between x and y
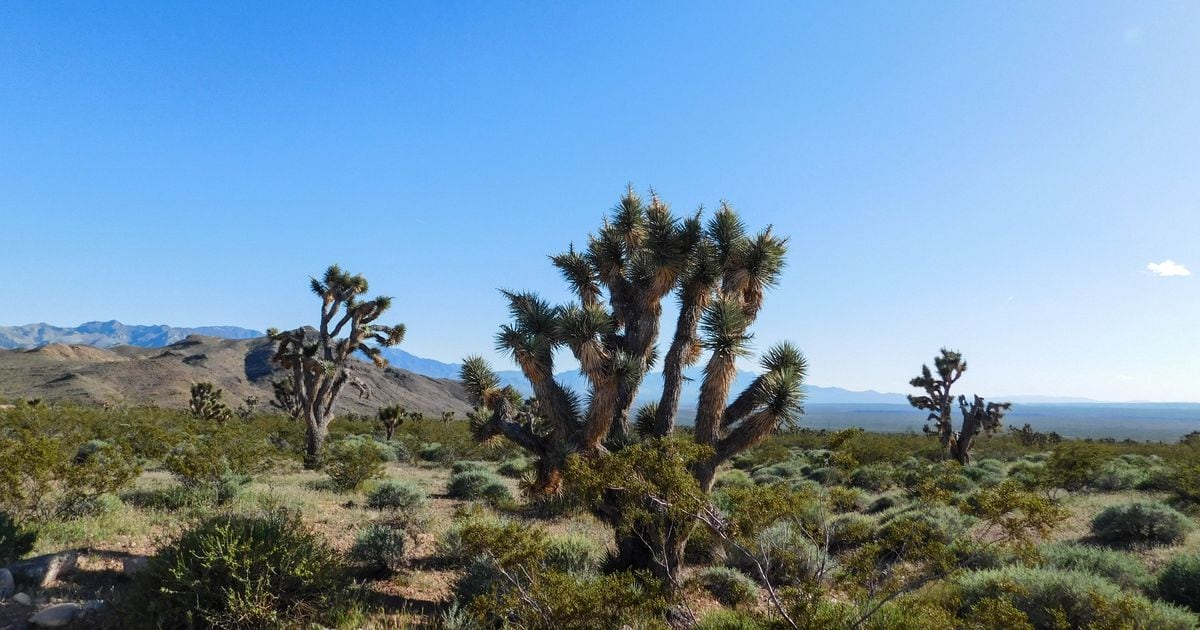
131, 375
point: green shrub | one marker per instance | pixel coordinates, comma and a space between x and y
987, 476
723, 619
787, 555
729, 586
435, 452
235, 571
477, 484
395, 495
465, 465
827, 475
1074, 465
850, 530
350, 463
400, 451
1120, 474
1028, 474
1052, 599
15, 541
573, 553
382, 547
887, 501
734, 477
915, 527
47, 476
1179, 582
843, 499
1140, 522
484, 535
1121, 568
515, 468
873, 477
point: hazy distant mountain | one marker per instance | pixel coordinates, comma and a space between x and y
112, 333
651, 386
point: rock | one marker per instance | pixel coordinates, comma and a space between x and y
58, 615
133, 565
42, 571
8, 586
23, 599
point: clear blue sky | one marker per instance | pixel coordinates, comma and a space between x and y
993, 176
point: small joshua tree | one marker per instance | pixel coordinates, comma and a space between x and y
977, 416
206, 403
447, 416
641, 255
318, 360
391, 417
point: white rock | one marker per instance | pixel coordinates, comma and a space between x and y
57, 616
7, 585
23, 599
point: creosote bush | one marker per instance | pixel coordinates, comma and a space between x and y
234, 571
350, 463
1141, 522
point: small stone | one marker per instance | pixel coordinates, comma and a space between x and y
7, 585
57, 616
23, 599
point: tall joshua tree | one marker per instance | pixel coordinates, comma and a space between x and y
978, 416
318, 360
391, 417
640, 255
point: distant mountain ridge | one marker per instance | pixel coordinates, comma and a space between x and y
112, 333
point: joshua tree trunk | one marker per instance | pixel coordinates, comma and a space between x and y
318, 430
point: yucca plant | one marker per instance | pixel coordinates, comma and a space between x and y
642, 254
318, 359
206, 403
391, 417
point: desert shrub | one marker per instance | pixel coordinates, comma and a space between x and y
573, 553
873, 477
552, 599
920, 527
15, 541
515, 468
1028, 474
386, 450
1140, 522
1184, 482
1121, 568
465, 465
350, 463
723, 619
843, 499
46, 476
827, 475
1121, 474
887, 501
381, 546
235, 571
850, 530
1074, 465
787, 555
478, 534
1179, 582
1052, 599
984, 475
400, 451
435, 452
729, 586
734, 477
477, 484
395, 495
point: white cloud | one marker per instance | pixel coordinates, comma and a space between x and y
1168, 268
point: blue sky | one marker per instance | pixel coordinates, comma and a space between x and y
993, 176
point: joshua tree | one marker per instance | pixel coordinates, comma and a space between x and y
641, 255
319, 359
285, 398
977, 416
447, 416
391, 417
206, 403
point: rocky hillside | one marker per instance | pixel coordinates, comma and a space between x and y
111, 333
131, 375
